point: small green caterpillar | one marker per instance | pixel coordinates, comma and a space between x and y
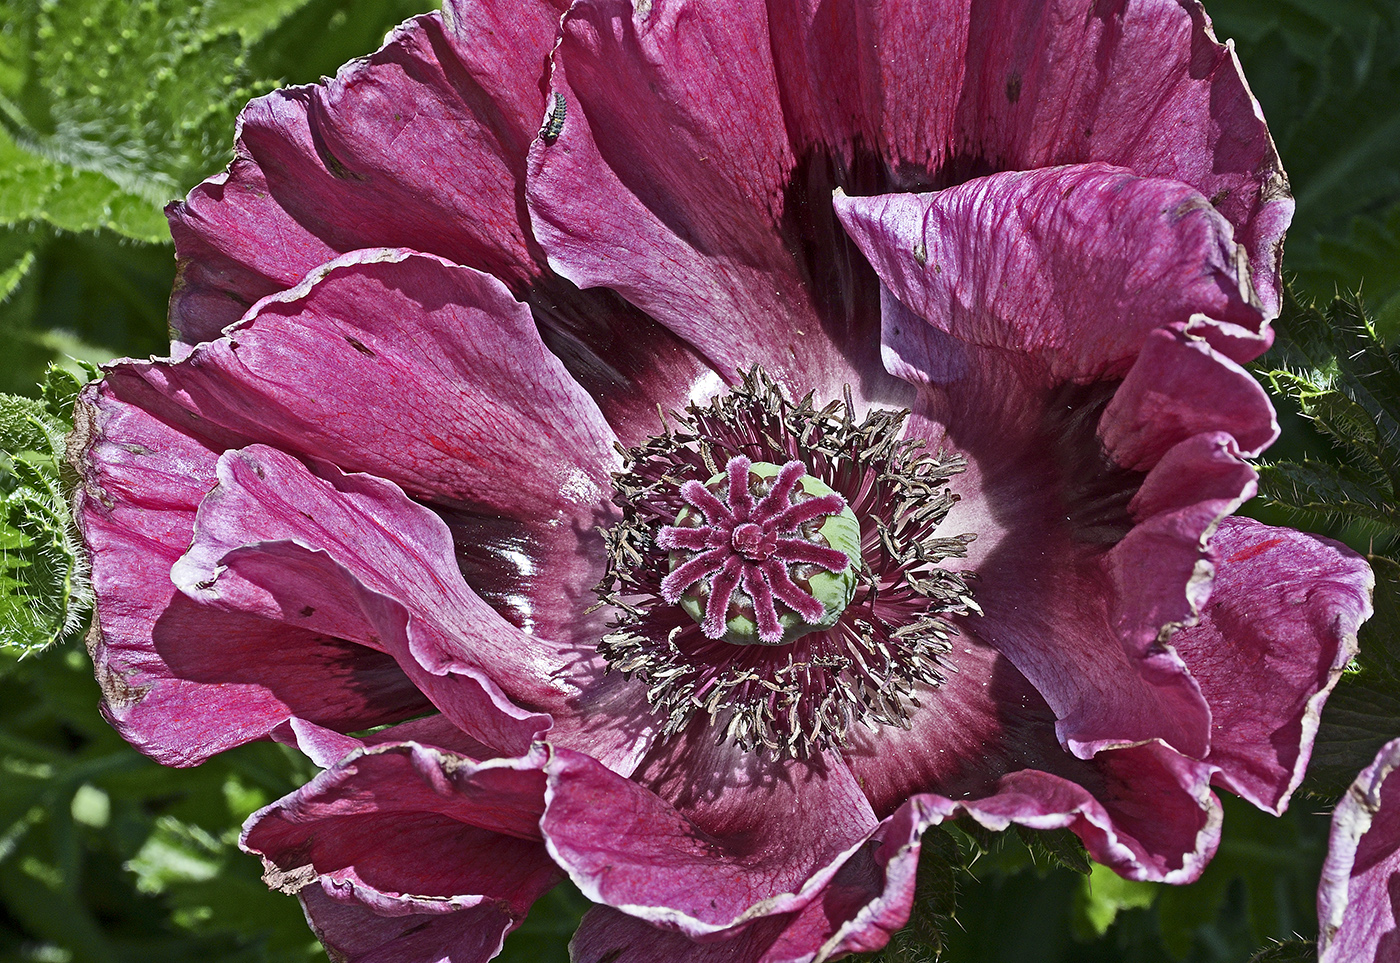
553, 124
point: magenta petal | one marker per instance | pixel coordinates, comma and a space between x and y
422, 931
735, 845
867, 900
351, 554
945, 91
511, 447
1180, 386
421, 145
1162, 569
381, 817
1071, 265
1158, 819
326, 369
1045, 504
689, 232
608, 934
1356, 901
987, 735
325, 747
363, 843
181, 682
1271, 643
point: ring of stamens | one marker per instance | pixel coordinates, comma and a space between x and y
886, 649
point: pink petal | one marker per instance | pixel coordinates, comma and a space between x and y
1356, 905
1180, 386
421, 145
1158, 820
986, 738
723, 839
179, 682
338, 369
1162, 569
1045, 505
422, 931
866, 901
382, 817
944, 91
367, 836
1271, 643
692, 232
326, 747
352, 554
1073, 266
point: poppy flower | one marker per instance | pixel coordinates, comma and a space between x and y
696, 448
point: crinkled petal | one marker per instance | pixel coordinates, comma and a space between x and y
986, 735
352, 554
728, 839
181, 682
339, 367
1162, 570
367, 838
1180, 386
867, 900
1357, 900
1158, 821
947, 91
382, 816
421, 145
1141, 791
1045, 505
325, 747
1072, 266
697, 231
423, 931
1271, 643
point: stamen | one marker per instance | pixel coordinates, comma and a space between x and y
722, 590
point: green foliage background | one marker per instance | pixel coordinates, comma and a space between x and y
111, 108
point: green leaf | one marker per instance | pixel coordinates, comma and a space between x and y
111, 109
176, 853
924, 939
44, 595
1326, 491
1293, 951
1102, 895
16, 261
1345, 379
1056, 847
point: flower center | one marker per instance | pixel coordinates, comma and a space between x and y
762, 553
799, 588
